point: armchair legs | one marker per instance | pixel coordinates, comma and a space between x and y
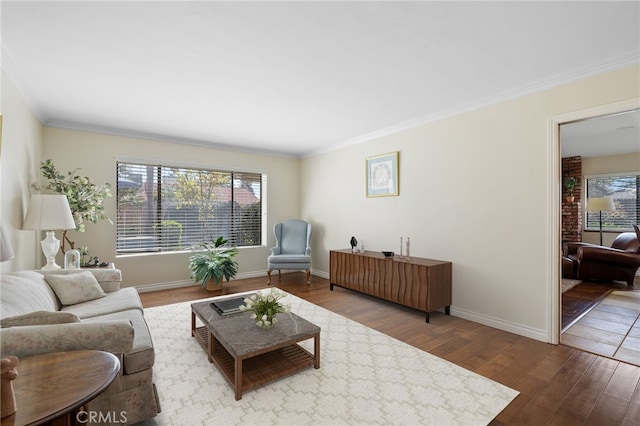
307, 271
269, 276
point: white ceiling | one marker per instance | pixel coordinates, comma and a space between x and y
295, 78
607, 135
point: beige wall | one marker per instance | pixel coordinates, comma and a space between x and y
19, 159
475, 189
96, 154
622, 163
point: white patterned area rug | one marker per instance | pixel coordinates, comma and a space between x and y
365, 378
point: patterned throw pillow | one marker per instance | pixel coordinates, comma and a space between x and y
75, 288
39, 318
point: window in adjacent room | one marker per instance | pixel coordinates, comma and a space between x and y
161, 208
624, 190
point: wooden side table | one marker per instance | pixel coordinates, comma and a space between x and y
53, 386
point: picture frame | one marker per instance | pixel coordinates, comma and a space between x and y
382, 175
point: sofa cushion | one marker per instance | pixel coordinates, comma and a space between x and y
141, 355
122, 300
24, 292
75, 288
39, 318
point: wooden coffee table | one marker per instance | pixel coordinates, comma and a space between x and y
249, 356
53, 386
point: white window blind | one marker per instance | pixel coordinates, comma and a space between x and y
162, 208
624, 191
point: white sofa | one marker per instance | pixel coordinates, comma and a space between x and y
34, 321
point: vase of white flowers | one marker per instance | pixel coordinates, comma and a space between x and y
264, 306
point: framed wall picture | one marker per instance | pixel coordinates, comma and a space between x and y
382, 175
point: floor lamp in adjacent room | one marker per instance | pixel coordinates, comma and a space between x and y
600, 204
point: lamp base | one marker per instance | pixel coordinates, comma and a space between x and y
50, 246
51, 267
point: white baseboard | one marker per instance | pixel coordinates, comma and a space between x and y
320, 274
145, 288
188, 283
500, 324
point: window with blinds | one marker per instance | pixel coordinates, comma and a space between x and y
624, 191
162, 208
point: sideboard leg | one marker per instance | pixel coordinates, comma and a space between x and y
447, 310
330, 286
427, 318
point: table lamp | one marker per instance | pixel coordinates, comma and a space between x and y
600, 204
49, 212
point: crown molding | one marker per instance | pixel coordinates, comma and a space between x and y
81, 127
622, 61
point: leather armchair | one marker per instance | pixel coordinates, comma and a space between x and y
292, 250
618, 262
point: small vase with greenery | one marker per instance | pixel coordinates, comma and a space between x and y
570, 184
213, 263
86, 199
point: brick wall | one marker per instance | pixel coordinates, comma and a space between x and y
572, 211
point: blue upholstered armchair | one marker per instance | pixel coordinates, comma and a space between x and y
292, 250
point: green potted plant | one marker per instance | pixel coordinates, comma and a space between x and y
86, 199
570, 184
213, 262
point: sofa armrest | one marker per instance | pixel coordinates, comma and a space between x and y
617, 257
109, 336
572, 247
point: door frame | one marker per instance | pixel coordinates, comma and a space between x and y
555, 224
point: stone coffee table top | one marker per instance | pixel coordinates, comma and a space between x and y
240, 335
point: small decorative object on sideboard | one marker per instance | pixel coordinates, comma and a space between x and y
405, 253
354, 244
388, 253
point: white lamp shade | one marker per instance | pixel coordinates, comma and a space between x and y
49, 212
601, 204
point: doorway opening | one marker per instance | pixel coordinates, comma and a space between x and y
598, 149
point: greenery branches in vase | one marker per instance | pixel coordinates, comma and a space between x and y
86, 199
214, 261
264, 306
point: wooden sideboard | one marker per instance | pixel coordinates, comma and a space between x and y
423, 284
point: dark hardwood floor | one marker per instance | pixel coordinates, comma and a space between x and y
558, 385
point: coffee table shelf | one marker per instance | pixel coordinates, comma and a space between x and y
261, 369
